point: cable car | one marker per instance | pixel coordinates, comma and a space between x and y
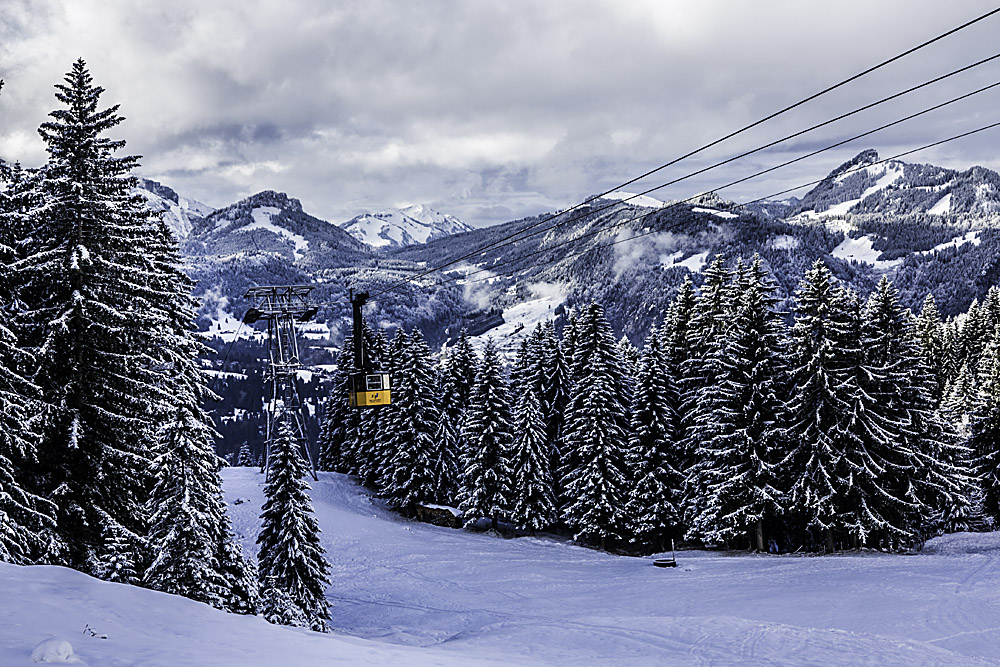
367, 388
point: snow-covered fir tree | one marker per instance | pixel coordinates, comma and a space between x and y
555, 384
90, 316
706, 331
595, 435
339, 430
410, 478
291, 557
924, 470
185, 448
24, 516
533, 504
653, 507
822, 394
487, 476
929, 330
743, 451
984, 439
245, 457
196, 554
182, 505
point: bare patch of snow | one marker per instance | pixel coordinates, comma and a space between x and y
711, 211
784, 242
262, 219
644, 201
861, 250
942, 207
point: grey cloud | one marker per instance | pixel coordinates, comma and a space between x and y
484, 109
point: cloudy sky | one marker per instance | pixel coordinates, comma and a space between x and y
490, 110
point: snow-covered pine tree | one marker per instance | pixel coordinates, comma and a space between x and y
555, 379
463, 367
245, 457
653, 507
923, 470
707, 330
984, 439
487, 476
595, 435
555, 384
410, 481
958, 399
744, 444
188, 433
291, 557
90, 317
929, 331
458, 370
445, 459
184, 513
338, 432
675, 341
23, 515
533, 505
119, 559
822, 394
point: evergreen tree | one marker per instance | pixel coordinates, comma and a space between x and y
181, 521
245, 458
744, 449
487, 476
533, 505
653, 507
410, 478
340, 421
822, 394
555, 385
119, 559
929, 331
91, 315
595, 435
23, 515
291, 557
984, 439
924, 471
186, 448
706, 331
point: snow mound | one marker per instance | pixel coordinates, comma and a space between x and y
55, 650
960, 544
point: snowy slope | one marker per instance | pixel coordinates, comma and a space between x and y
114, 625
543, 601
406, 593
408, 226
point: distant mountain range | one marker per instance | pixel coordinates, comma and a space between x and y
932, 229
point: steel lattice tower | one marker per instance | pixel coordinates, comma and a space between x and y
281, 306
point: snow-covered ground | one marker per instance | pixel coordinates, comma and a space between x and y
263, 219
415, 594
634, 199
861, 250
521, 318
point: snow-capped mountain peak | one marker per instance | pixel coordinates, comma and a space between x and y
401, 227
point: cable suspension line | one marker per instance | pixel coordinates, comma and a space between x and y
701, 149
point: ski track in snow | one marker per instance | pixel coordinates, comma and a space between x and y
545, 601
